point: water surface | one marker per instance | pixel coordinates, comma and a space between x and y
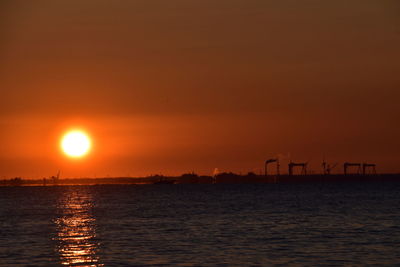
201, 225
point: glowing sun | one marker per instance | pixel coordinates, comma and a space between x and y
76, 144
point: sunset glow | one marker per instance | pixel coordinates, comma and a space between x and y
171, 86
76, 144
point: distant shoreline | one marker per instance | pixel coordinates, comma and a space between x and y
223, 178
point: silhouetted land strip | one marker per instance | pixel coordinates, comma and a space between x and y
192, 178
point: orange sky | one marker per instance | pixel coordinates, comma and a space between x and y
176, 86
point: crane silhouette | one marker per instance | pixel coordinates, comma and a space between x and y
303, 166
328, 167
367, 166
346, 166
269, 161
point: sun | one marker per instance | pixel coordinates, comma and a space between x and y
76, 144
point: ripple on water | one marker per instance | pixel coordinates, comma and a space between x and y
201, 225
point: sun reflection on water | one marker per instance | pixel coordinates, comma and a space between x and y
76, 230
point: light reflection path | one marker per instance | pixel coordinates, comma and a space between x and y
76, 229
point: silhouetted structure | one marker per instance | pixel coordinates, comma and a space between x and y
269, 161
55, 179
225, 178
160, 179
367, 166
17, 181
327, 168
302, 165
346, 166
189, 178
229, 177
164, 181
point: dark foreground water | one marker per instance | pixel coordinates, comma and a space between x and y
201, 225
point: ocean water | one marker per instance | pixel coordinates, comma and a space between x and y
201, 225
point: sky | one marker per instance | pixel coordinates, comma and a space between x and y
174, 86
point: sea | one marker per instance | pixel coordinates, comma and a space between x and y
323, 224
